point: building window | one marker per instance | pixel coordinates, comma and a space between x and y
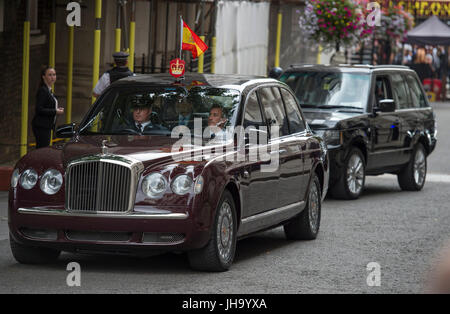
2, 11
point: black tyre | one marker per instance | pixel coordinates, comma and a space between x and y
306, 225
413, 176
32, 255
218, 254
352, 179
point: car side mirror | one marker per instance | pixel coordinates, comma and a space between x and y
275, 73
386, 105
65, 131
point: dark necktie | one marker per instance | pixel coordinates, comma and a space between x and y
139, 127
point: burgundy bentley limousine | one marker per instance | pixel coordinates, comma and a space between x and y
158, 165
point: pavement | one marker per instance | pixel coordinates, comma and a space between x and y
401, 231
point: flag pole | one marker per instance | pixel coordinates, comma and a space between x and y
181, 36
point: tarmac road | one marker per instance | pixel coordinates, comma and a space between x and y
401, 231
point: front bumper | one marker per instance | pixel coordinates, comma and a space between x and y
133, 233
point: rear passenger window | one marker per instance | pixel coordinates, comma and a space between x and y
272, 105
253, 116
400, 91
296, 123
418, 98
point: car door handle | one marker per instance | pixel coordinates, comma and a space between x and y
280, 152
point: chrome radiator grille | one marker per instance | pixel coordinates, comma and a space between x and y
99, 186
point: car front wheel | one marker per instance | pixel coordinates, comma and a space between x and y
32, 255
412, 177
351, 181
218, 254
306, 225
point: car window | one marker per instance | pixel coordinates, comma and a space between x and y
400, 91
418, 98
296, 123
252, 115
382, 89
272, 103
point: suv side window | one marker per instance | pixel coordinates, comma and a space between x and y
296, 123
382, 89
417, 96
400, 91
273, 107
252, 115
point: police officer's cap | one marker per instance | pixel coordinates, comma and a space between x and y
120, 56
141, 102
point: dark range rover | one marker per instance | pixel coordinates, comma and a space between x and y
374, 119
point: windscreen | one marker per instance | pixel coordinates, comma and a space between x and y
157, 111
329, 89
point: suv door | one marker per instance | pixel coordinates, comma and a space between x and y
408, 115
385, 126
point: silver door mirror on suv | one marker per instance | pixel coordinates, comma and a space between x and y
385, 105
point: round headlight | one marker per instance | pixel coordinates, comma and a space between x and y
51, 182
28, 179
15, 178
154, 185
182, 184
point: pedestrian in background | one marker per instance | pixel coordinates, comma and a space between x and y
423, 69
119, 71
46, 108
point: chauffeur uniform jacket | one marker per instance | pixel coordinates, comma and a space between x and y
45, 115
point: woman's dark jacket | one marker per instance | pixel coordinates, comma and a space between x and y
45, 109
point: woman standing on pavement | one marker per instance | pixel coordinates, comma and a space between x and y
46, 109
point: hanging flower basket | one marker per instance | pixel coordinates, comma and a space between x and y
334, 23
395, 24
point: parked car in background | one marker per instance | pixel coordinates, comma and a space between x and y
374, 120
119, 185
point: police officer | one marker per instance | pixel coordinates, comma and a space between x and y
120, 71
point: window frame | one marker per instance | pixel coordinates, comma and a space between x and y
424, 95
299, 110
406, 86
264, 112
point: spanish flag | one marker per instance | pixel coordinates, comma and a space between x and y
192, 42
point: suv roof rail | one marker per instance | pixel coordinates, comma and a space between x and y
366, 66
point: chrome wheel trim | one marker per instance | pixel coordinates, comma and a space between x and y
419, 167
314, 207
355, 174
225, 232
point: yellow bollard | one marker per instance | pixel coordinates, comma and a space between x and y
319, 55
201, 58
117, 40
52, 40
213, 57
25, 86
132, 45
278, 46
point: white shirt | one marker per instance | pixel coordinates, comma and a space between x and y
102, 84
143, 125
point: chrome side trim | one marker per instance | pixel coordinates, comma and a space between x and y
269, 218
134, 215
